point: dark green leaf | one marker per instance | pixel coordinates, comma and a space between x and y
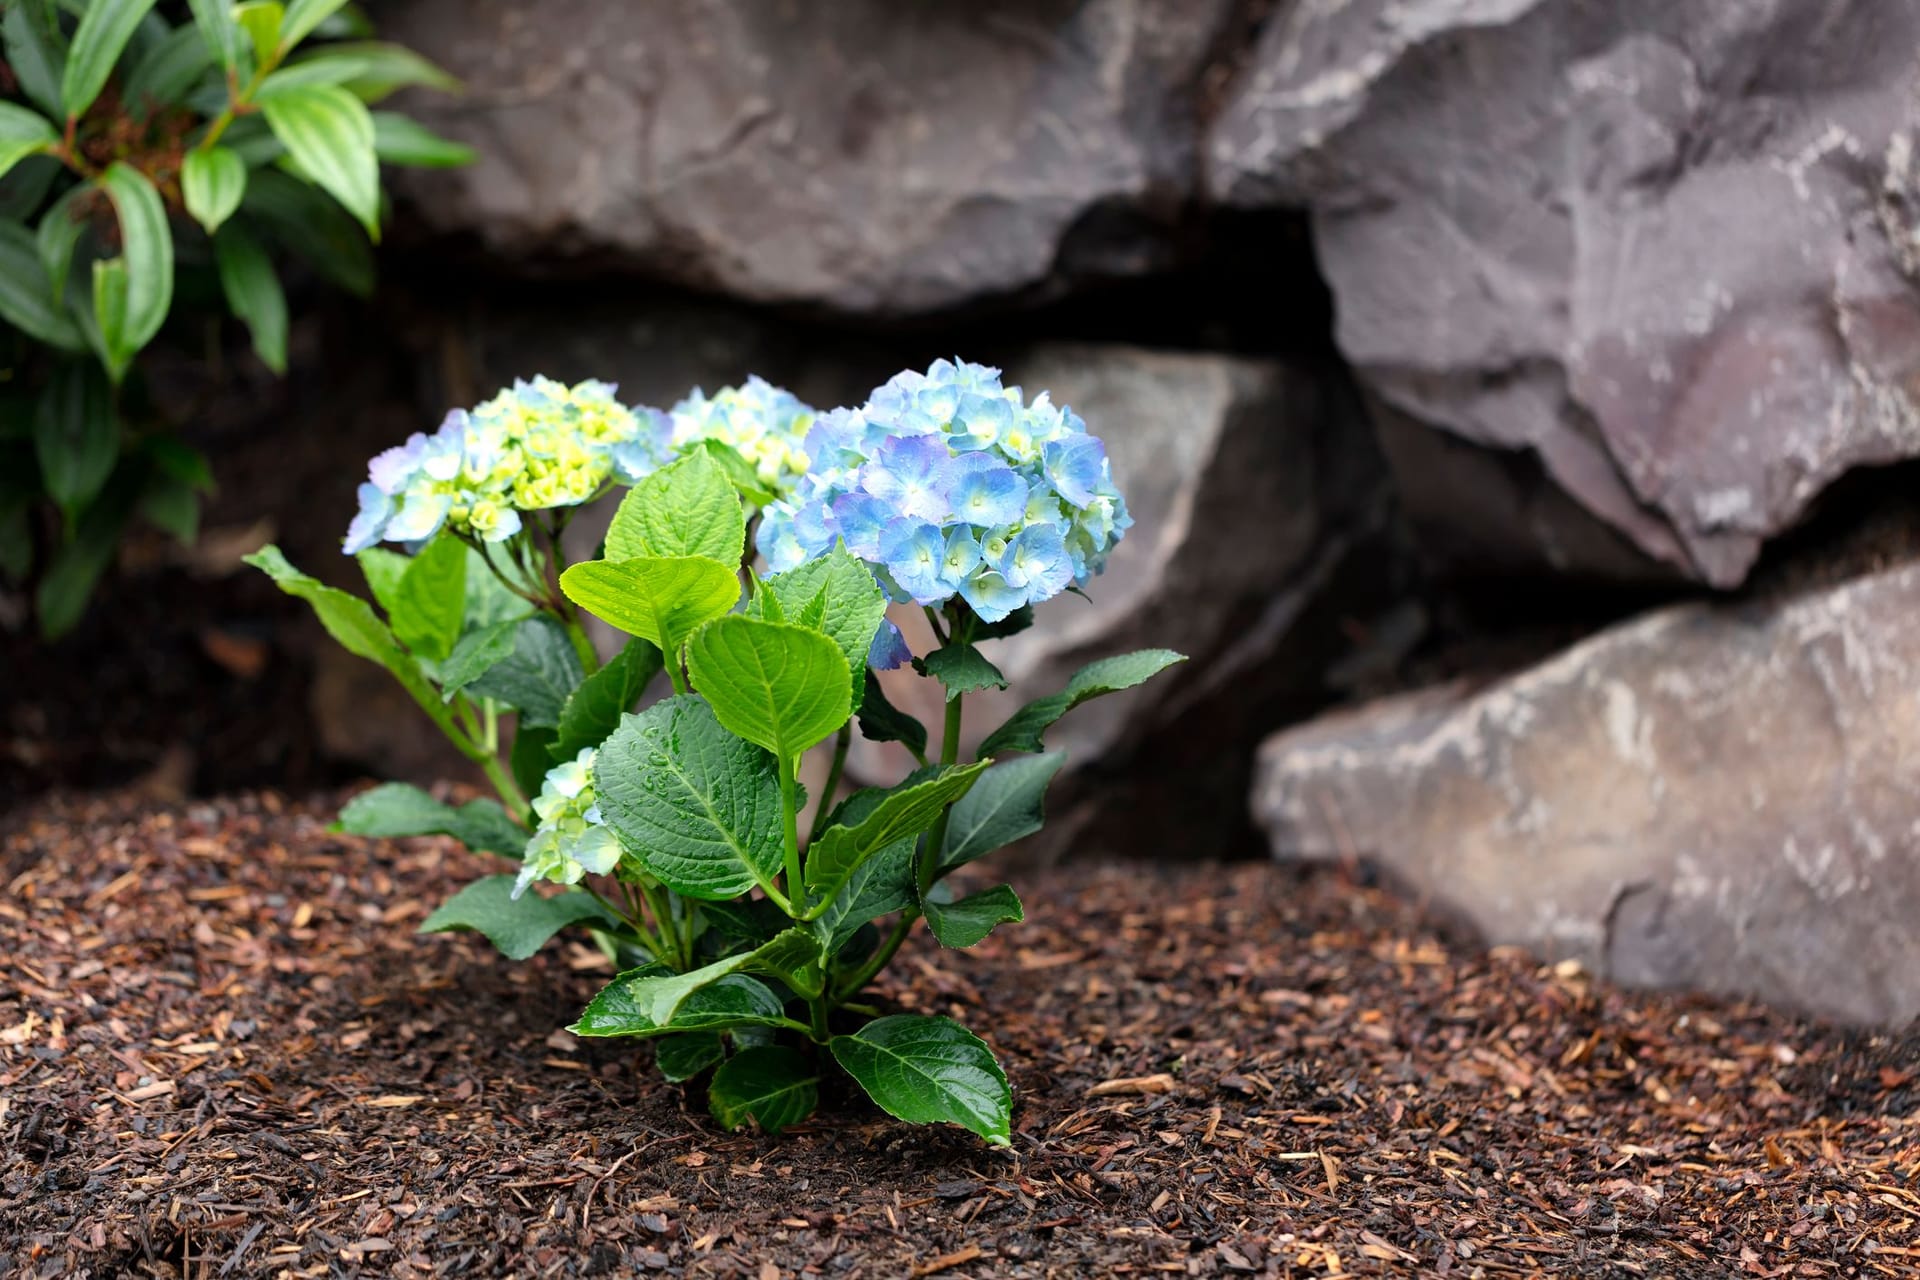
476, 653
961, 668
76, 435
398, 140
167, 71
1011, 625
211, 184
35, 54
696, 806
538, 678
661, 600
26, 296
171, 506
774, 1086
745, 923
1007, 804
253, 293
518, 927
594, 709
775, 684
963, 923
906, 811
882, 884
180, 461
648, 1004
834, 594
429, 603
105, 27
61, 598
147, 252
24, 188
329, 134
684, 1055
61, 227
686, 508
1023, 729
529, 758
223, 36
396, 809
313, 226
623, 1007
881, 721
926, 1070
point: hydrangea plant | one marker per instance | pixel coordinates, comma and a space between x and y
674, 832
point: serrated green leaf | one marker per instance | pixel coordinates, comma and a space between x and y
834, 594
399, 140
906, 811
26, 297
105, 27
147, 253
1007, 804
684, 1055
623, 1006
960, 668
302, 17
429, 602
696, 806
329, 134
253, 292
593, 711
686, 508
774, 1086
476, 653
76, 435
538, 677
222, 34
661, 600
739, 471
35, 55
212, 181
928, 1070
963, 923
518, 927
167, 71
313, 226
881, 721
488, 600
656, 1000
882, 884
395, 809
745, 923
774, 684
24, 133
1025, 727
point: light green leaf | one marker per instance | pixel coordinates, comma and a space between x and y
539, 677
488, 600
147, 254
105, 27
772, 1085
907, 810
882, 884
58, 235
430, 600
35, 54
686, 508
657, 1000
260, 19
963, 923
302, 17
211, 183
323, 68
329, 134
775, 684
696, 806
476, 653
76, 435
623, 1006
253, 293
398, 140
1023, 729
222, 34
961, 668
593, 710
926, 1070
683, 1055
167, 71
26, 300
384, 68
881, 721
834, 594
518, 927
383, 568
396, 809
1007, 804
23, 133
662, 600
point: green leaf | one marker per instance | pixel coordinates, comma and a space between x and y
961, 668
398, 140
925, 1070
518, 927
61, 598
881, 721
907, 810
26, 300
383, 568
1011, 625
323, 68
24, 133
476, 653
622, 1008
329, 134
537, 679
528, 757
593, 710
302, 17
1007, 804
24, 188
147, 252
745, 923
684, 1055
696, 806
773, 1085
686, 508
661, 600
222, 34
181, 461
739, 471
58, 235
488, 600
105, 27
396, 809
171, 507
834, 594
76, 435
253, 293
1023, 729
35, 54
653, 1002
430, 600
774, 684
963, 923
211, 184
313, 226
882, 884
260, 19
165, 74
384, 68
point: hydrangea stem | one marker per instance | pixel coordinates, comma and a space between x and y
790, 819
834, 773
503, 783
937, 838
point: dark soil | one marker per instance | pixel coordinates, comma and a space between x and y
223, 1052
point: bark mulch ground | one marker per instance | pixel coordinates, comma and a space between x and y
223, 1052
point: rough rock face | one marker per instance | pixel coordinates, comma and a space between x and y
1708, 797
1668, 248
862, 154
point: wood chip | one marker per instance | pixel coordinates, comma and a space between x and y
1160, 1083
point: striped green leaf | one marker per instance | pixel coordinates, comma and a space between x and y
146, 257
23, 133
98, 41
212, 182
329, 134
253, 292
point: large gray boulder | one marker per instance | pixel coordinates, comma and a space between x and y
1667, 249
1710, 797
863, 154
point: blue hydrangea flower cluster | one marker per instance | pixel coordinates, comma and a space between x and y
571, 840
950, 484
763, 423
536, 445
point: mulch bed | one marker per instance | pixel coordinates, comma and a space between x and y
223, 1051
